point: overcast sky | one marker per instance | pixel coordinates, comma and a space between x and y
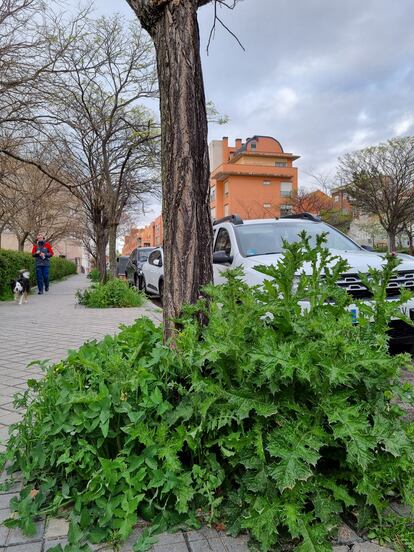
322, 76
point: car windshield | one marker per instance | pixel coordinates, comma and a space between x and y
143, 255
267, 239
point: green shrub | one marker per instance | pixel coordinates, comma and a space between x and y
94, 275
13, 261
114, 293
268, 419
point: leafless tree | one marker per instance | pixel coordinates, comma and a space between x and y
313, 202
324, 180
100, 142
174, 30
32, 40
380, 180
36, 203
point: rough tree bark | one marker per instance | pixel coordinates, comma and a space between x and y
101, 235
392, 243
112, 249
22, 240
173, 26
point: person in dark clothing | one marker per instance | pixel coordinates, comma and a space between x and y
42, 251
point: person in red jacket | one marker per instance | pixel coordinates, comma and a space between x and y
42, 252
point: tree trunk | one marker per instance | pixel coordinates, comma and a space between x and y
185, 163
410, 243
112, 250
21, 241
101, 243
392, 248
2, 228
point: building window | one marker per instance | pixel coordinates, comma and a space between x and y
285, 210
336, 198
266, 205
281, 164
266, 182
226, 188
213, 214
213, 194
286, 189
226, 210
253, 146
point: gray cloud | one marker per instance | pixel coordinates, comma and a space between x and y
322, 76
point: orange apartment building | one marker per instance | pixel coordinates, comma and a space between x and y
254, 179
149, 236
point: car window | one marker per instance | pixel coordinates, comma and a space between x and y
223, 242
121, 264
267, 239
154, 255
143, 256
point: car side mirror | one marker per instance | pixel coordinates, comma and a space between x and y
157, 262
221, 257
367, 248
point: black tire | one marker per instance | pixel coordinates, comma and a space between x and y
161, 290
136, 281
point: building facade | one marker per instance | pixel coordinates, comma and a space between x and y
255, 178
149, 236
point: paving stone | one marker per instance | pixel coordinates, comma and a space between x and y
172, 548
54, 542
207, 545
346, 535
4, 533
56, 527
17, 537
27, 547
401, 510
341, 548
170, 538
236, 545
369, 547
203, 533
5, 499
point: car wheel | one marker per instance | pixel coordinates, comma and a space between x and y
161, 291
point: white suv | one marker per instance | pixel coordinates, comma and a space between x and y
153, 273
260, 242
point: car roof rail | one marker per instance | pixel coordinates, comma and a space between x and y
234, 219
303, 216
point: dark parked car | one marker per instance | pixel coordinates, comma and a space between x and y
121, 263
134, 266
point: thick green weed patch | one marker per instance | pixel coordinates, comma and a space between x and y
111, 294
271, 419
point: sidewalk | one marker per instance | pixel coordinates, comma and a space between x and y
46, 328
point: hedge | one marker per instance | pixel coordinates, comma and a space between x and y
13, 261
